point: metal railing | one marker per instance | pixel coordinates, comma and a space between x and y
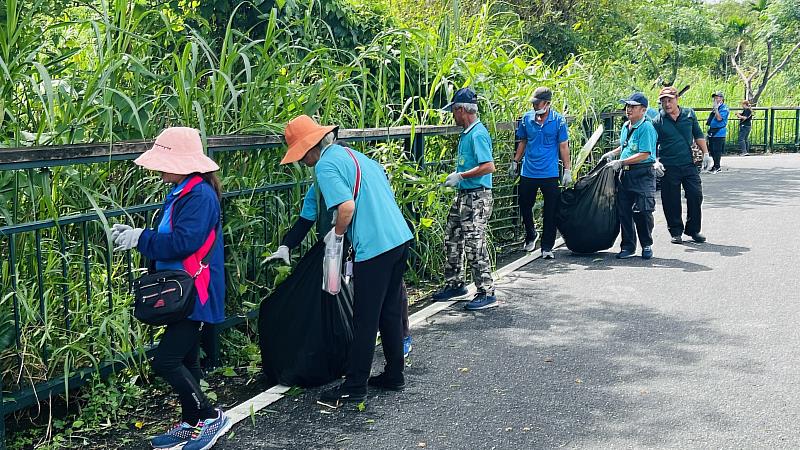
773, 128
51, 264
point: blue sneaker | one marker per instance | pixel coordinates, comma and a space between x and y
481, 301
449, 291
407, 346
647, 252
625, 254
208, 431
175, 438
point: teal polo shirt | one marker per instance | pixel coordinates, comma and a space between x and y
676, 136
542, 142
474, 149
643, 138
378, 225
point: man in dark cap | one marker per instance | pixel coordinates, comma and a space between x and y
637, 188
677, 130
543, 140
465, 232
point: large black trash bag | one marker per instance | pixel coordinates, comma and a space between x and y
304, 332
587, 216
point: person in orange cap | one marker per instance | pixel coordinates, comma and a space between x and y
356, 188
187, 236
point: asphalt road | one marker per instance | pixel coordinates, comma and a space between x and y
697, 348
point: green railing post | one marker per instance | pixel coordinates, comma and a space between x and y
2, 418
771, 130
797, 129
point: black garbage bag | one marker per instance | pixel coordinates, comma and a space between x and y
304, 332
587, 216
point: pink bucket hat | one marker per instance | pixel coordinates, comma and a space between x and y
177, 150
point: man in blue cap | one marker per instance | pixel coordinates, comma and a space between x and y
467, 220
717, 129
636, 199
543, 140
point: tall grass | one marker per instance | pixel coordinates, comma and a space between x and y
114, 70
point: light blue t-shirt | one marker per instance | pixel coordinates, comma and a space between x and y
378, 225
541, 150
309, 211
651, 113
643, 138
474, 149
723, 112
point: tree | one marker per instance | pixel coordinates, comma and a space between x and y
778, 31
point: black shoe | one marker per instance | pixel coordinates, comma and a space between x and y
676, 240
383, 381
697, 237
337, 396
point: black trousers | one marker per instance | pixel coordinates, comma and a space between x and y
528, 189
377, 305
716, 146
688, 177
177, 360
635, 205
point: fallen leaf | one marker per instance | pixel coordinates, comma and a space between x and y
370, 421
139, 425
548, 359
578, 380
463, 369
509, 429
361, 407
526, 429
422, 445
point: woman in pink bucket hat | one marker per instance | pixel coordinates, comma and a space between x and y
188, 230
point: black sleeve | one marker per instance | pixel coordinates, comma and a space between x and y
297, 233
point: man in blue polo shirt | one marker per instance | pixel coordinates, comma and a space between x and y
717, 129
636, 199
467, 220
543, 139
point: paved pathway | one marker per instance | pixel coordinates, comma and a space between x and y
697, 348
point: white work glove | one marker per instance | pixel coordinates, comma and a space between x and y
566, 179
659, 168
118, 228
453, 179
708, 161
281, 253
616, 165
608, 156
331, 239
513, 169
127, 239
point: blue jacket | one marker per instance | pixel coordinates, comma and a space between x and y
193, 217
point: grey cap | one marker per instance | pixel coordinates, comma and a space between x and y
542, 94
718, 94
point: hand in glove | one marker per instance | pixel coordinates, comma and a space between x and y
608, 156
332, 239
281, 253
566, 179
659, 168
616, 165
513, 169
117, 229
127, 239
453, 179
708, 161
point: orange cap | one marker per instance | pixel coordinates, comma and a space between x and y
669, 92
302, 134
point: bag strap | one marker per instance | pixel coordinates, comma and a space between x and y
357, 187
209, 242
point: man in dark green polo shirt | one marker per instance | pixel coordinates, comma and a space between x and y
677, 129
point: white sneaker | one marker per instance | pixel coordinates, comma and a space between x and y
548, 255
529, 246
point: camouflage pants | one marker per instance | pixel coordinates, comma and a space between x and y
465, 233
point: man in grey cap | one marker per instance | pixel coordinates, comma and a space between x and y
543, 140
717, 129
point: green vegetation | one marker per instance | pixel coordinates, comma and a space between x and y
112, 70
